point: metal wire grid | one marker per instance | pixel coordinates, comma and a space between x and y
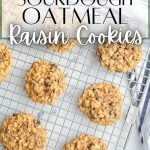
64, 120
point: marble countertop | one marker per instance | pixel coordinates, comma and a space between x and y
134, 140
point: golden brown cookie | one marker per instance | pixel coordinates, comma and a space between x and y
119, 57
5, 61
21, 132
60, 47
44, 82
85, 142
102, 103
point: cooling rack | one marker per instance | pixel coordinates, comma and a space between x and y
64, 120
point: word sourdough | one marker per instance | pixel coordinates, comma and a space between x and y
70, 2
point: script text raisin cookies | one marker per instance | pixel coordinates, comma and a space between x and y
60, 47
21, 132
44, 82
85, 142
102, 103
5, 61
119, 57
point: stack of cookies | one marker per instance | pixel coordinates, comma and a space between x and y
45, 81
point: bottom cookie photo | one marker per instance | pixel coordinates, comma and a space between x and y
74, 97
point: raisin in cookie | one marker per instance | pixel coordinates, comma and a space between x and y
21, 132
102, 103
85, 142
5, 61
119, 57
60, 47
44, 82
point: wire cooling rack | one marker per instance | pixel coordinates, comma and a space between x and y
64, 120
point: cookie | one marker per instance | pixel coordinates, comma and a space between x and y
5, 61
119, 57
60, 47
102, 103
85, 142
21, 132
44, 82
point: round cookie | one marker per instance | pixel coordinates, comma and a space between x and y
119, 57
60, 47
85, 142
102, 103
44, 82
21, 132
5, 61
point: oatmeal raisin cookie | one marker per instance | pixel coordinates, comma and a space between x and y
102, 103
60, 47
5, 61
119, 57
21, 132
44, 82
85, 142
